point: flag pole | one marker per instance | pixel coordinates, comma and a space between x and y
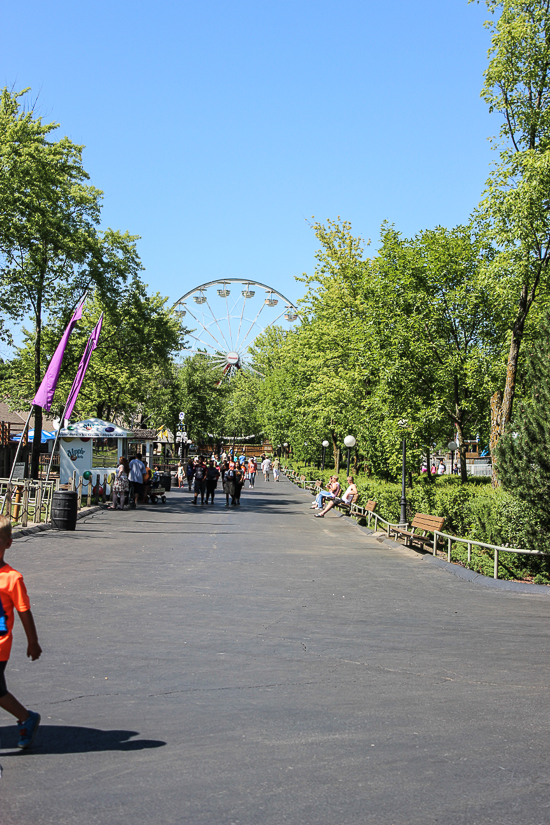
77, 383
56, 442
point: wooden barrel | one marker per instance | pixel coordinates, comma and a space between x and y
64, 509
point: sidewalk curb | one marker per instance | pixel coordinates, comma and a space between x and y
40, 528
454, 569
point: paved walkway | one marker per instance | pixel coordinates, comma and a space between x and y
256, 666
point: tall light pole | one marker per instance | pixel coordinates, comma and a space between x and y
325, 445
350, 442
403, 423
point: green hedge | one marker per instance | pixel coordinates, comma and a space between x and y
474, 510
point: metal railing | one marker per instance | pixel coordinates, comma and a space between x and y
362, 512
25, 500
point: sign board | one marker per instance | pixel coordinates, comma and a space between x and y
20, 470
74, 454
182, 416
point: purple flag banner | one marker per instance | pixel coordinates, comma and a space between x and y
45, 393
82, 367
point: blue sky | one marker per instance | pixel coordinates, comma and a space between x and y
217, 129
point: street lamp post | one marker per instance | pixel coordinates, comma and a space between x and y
350, 442
403, 423
325, 445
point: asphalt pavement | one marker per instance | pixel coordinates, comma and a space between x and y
257, 666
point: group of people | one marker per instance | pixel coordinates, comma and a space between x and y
329, 498
202, 477
438, 469
134, 482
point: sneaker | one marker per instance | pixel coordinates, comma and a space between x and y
28, 729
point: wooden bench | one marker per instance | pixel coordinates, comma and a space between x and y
346, 508
424, 523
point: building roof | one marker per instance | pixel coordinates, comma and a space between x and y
145, 435
17, 419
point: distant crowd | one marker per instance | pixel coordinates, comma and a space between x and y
135, 483
202, 475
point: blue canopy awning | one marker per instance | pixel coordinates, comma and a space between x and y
46, 436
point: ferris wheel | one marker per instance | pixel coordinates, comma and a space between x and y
229, 314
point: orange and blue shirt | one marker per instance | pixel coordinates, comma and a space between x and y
13, 594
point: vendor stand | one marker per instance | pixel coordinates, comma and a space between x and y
76, 447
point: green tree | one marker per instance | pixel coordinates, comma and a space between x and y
51, 251
203, 396
131, 367
523, 453
516, 205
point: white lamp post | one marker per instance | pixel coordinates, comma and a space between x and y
350, 442
325, 445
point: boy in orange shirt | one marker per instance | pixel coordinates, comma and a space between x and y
13, 593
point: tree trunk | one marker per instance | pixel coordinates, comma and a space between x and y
428, 464
496, 419
336, 452
502, 403
462, 453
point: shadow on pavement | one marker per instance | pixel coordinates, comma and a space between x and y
68, 739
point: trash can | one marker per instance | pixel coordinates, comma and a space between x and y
166, 481
64, 509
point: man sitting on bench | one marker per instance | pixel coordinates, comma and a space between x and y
333, 489
347, 498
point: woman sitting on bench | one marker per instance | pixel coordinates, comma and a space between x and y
333, 489
346, 499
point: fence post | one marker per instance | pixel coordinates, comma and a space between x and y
25, 511
79, 497
38, 503
89, 495
449, 550
496, 565
434, 552
103, 497
469, 552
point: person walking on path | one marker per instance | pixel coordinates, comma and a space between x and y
200, 480
266, 468
230, 482
252, 470
121, 484
190, 472
13, 594
137, 468
276, 469
180, 474
212, 476
240, 474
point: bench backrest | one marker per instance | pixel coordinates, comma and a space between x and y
370, 506
428, 523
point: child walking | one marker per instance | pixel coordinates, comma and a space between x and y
13, 594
